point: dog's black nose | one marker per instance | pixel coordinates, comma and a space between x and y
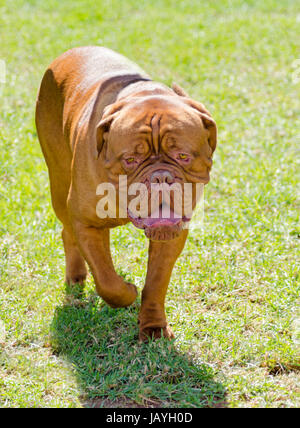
162, 177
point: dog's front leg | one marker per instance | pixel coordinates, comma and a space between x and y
95, 247
162, 257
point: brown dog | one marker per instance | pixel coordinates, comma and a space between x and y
100, 117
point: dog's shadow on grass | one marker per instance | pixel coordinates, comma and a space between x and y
114, 370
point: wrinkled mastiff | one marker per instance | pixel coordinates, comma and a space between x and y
101, 118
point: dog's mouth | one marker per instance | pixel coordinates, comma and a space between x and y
162, 225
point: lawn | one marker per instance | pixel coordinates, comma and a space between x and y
233, 301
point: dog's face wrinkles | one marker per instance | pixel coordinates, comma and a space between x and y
158, 140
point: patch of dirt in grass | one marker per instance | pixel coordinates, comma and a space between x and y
274, 367
278, 369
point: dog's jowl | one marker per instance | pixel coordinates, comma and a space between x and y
104, 124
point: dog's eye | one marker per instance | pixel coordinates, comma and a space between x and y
130, 161
183, 156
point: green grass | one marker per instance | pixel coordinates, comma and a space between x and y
233, 301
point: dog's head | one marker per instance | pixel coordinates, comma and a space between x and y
160, 143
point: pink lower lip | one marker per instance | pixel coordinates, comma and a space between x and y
157, 221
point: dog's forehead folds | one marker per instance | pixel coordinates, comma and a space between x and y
156, 116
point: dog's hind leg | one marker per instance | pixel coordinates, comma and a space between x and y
76, 271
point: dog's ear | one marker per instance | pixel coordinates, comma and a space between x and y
109, 114
179, 91
207, 120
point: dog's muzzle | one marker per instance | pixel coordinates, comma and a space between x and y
162, 222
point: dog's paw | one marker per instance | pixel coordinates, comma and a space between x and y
149, 333
123, 297
78, 278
